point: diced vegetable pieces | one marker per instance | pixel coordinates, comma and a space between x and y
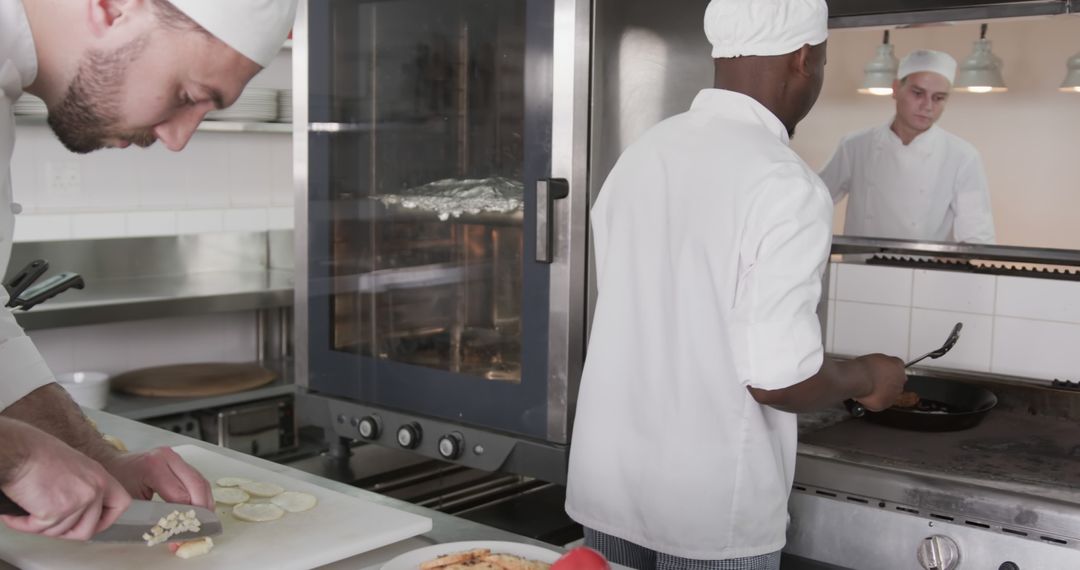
193, 548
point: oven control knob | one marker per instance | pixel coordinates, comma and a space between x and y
939, 553
451, 445
369, 427
408, 435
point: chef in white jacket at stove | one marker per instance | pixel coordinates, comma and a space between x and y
112, 73
910, 179
711, 237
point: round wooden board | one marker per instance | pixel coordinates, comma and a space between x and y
192, 380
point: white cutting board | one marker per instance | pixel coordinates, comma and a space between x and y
339, 527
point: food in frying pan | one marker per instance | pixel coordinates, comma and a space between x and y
482, 559
907, 400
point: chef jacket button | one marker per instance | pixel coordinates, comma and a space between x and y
16, 208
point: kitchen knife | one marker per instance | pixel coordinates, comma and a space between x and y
138, 519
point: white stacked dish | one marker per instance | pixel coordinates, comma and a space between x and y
88, 389
254, 105
30, 105
285, 102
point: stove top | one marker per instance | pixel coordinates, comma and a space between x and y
1005, 447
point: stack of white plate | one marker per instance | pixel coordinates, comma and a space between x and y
257, 105
285, 106
30, 105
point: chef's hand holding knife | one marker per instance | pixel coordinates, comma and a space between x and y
65, 493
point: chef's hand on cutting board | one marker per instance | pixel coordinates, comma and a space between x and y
67, 494
887, 377
164, 472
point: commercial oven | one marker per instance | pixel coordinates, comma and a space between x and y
442, 257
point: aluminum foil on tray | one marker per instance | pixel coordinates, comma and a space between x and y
453, 198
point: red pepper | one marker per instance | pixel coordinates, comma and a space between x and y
581, 558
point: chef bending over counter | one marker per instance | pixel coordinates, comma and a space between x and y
112, 74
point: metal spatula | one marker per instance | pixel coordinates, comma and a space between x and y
945, 348
859, 411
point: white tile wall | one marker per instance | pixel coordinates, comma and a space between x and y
833, 269
119, 347
56, 227
1016, 326
952, 291
863, 328
1038, 349
208, 185
143, 224
42, 228
97, 226
246, 220
200, 221
250, 183
217, 171
281, 175
830, 328
280, 218
874, 284
1044, 299
930, 328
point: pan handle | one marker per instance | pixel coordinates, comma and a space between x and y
854, 408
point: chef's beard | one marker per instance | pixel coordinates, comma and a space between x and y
89, 112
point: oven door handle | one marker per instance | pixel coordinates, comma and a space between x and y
547, 191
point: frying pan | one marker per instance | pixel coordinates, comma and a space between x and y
858, 410
945, 405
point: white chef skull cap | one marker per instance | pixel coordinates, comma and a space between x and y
928, 60
739, 28
255, 28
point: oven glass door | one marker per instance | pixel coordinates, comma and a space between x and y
431, 124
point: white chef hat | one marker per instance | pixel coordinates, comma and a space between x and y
255, 28
765, 27
921, 60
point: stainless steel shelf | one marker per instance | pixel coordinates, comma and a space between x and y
142, 408
111, 300
206, 126
861, 245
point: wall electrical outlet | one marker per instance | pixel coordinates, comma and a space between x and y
63, 179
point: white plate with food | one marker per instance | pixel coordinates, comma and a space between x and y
454, 555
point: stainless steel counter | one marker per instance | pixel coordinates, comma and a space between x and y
140, 437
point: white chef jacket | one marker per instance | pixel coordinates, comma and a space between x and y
932, 189
22, 369
711, 237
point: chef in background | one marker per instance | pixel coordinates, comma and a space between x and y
910, 179
711, 237
113, 73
